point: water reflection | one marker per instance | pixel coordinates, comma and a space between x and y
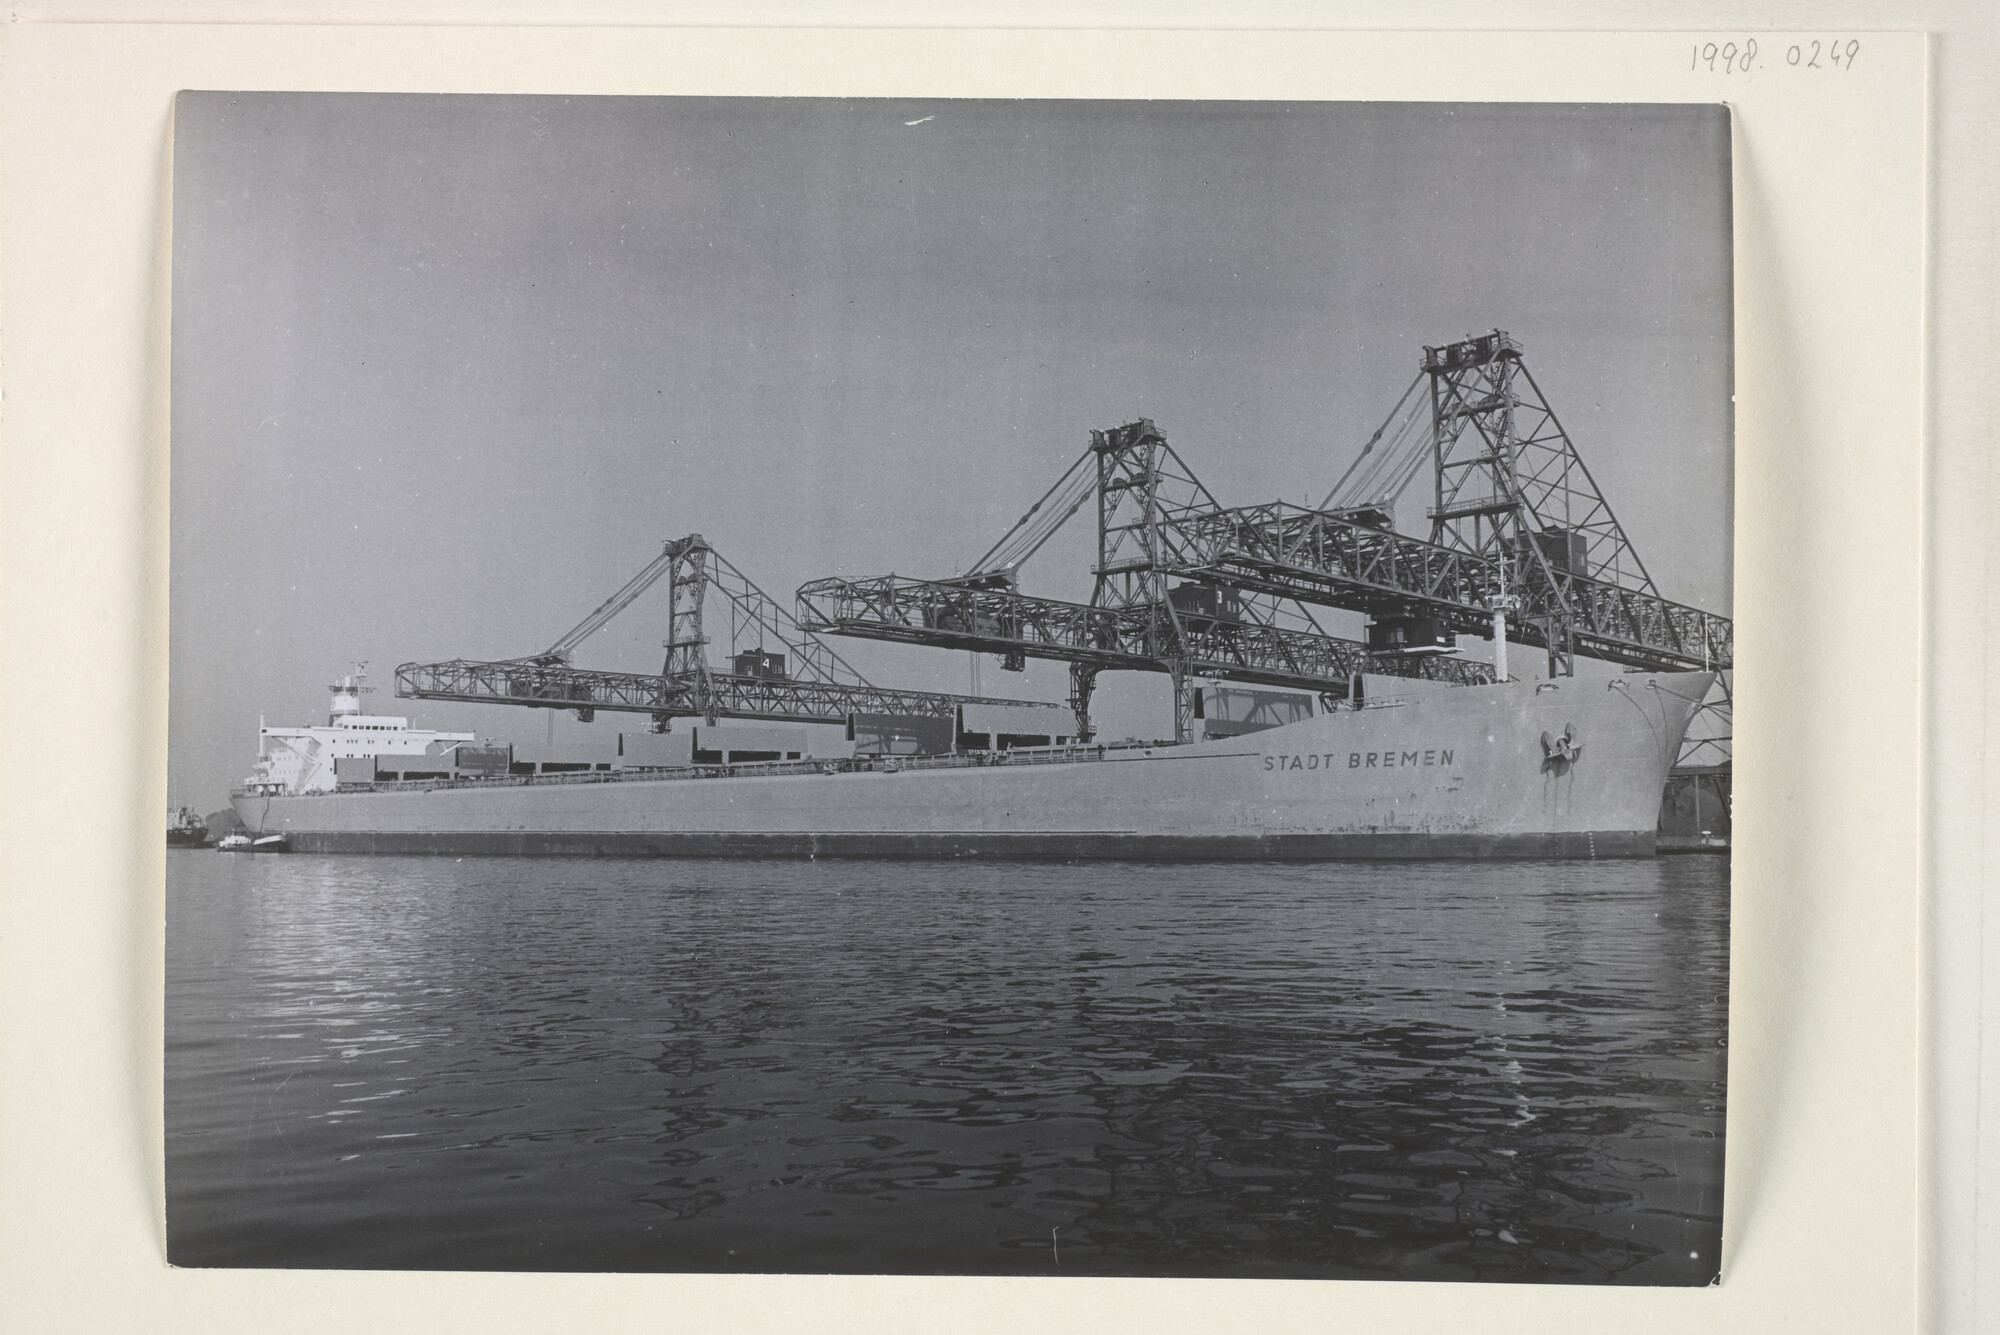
1423, 1071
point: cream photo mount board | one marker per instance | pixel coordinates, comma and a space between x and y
1829, 254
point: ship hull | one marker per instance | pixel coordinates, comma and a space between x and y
1459, 772
1003, 847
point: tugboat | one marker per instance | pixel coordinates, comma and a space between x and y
186, 830
243, 843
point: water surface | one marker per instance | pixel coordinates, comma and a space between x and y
1415, 1070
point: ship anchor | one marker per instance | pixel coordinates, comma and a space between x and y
1559, 753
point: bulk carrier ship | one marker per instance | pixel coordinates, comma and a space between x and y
1289, 742
1569, 768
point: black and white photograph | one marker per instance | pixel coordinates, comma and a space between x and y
949, 687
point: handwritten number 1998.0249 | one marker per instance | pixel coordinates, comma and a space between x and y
1741, 58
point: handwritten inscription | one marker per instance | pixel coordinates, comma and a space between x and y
1729, 57
1360, 760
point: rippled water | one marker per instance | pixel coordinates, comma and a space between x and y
1419, 1070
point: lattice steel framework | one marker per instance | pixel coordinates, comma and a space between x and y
1144, 489
523, 681
813, 685
1517, 523
1708, 740
948, 614
1326, 558
1154, 536
1510, 486
758, 625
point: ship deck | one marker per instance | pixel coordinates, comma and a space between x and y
1054, 755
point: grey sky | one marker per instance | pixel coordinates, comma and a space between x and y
448, 369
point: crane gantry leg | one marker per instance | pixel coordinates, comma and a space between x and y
1185, 690
1082, 682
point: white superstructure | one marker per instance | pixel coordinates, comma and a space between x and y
304, 760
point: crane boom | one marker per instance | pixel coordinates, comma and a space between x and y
553, 686
1327, 558
951, 615
778, 670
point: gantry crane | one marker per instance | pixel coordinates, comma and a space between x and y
1522, 545
777, 670
1153, 607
